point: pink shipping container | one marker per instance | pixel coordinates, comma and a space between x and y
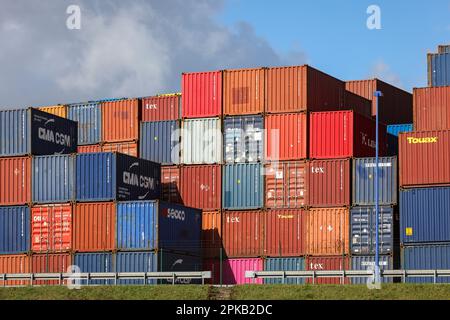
202, 94
344, 134
233, 270
92, 148
432, 109
15, 181
161, 108
120, 120
328, 263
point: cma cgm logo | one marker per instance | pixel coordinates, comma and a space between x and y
136, 180
174, 214
412, 140
318, 170
54, 137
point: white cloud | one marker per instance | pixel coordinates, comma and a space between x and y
383, 71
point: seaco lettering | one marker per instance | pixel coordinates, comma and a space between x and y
54, 137
176, 215
412, 140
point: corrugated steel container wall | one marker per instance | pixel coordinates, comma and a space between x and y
50, 263
14, 230
51, 228
201, 141
364, 171
243, 186
444, 49
243, 139
92, 148
359, 104
284, 233
363, 230
53, 179
424, 158
129, 148
89, 118
396, 129
287, 184
201, 186
170, 184
161, 108
438, 69
176, 262
284, 264
243, 91
120, 120
211, 234
202, 94
94, 262
242, 233
327, 231
233, 270
15, 181
286, 136
94, 226
302, 88
160, 141
368, 263
329, 183
136, 262
15, 264
425, 215
14, 132
426, 257
59, 110
328, 263
432, 109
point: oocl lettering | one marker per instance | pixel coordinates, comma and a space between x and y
412, 140
54, 137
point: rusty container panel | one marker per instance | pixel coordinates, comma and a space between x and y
432, 109
284, 233
15, 181
242, 233
211, 234
201, 187
51, 263
161, 108
329, 183
18, 263
424, 158
202, 94
120, 120
94, 226
51, 228
243, 91
327, 231
286, 136
129, 148
91, 148
286, 184
328, 263
170, 184
59, 110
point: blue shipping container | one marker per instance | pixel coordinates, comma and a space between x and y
151, 225
159, 142
368, 263
284, 264
426, 257
89, 118
364, 170
14, 230
174, 262
115, 176
94, 262
425, 215
439, 69
242, 186
136, 262
53, 179
395, 129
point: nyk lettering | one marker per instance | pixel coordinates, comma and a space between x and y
136, 180
422, 140
50, 136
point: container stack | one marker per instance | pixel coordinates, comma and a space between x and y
425, 175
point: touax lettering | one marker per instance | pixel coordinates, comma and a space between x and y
412, 140
54, 137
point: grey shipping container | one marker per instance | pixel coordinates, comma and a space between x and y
89, 118
53, 179
368, 263
243, 139
14, 230
284, 264
364, 170
159, 142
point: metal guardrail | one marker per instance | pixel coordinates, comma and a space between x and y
88, 277
342, 274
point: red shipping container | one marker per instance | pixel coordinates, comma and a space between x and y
354, 102
328, 263
287, 184
242, 233
15, 181
284, 233
130, 148
92, 148
170, 184
424, 158
286, 136
120, 120
50, 263
94, 226
15, 264
329, 183
211, 234
202, 94
432, 109
233, 270
161, 108
51, 228
344, 134
302, 88
395, 106
201, 186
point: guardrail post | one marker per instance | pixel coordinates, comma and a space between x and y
88, 279
284, 278
434, 276
343, 277
4, 280
31, 279
115, 279
404, 276
173, 279
145, 279
314, 277
60, 279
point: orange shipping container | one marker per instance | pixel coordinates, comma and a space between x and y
130, 148
327, 231
92, 148
120, 120
243, 91
59, 110
15, 264
211, 234
170, 184
50, 263
94, 226
15, 181
432, 109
